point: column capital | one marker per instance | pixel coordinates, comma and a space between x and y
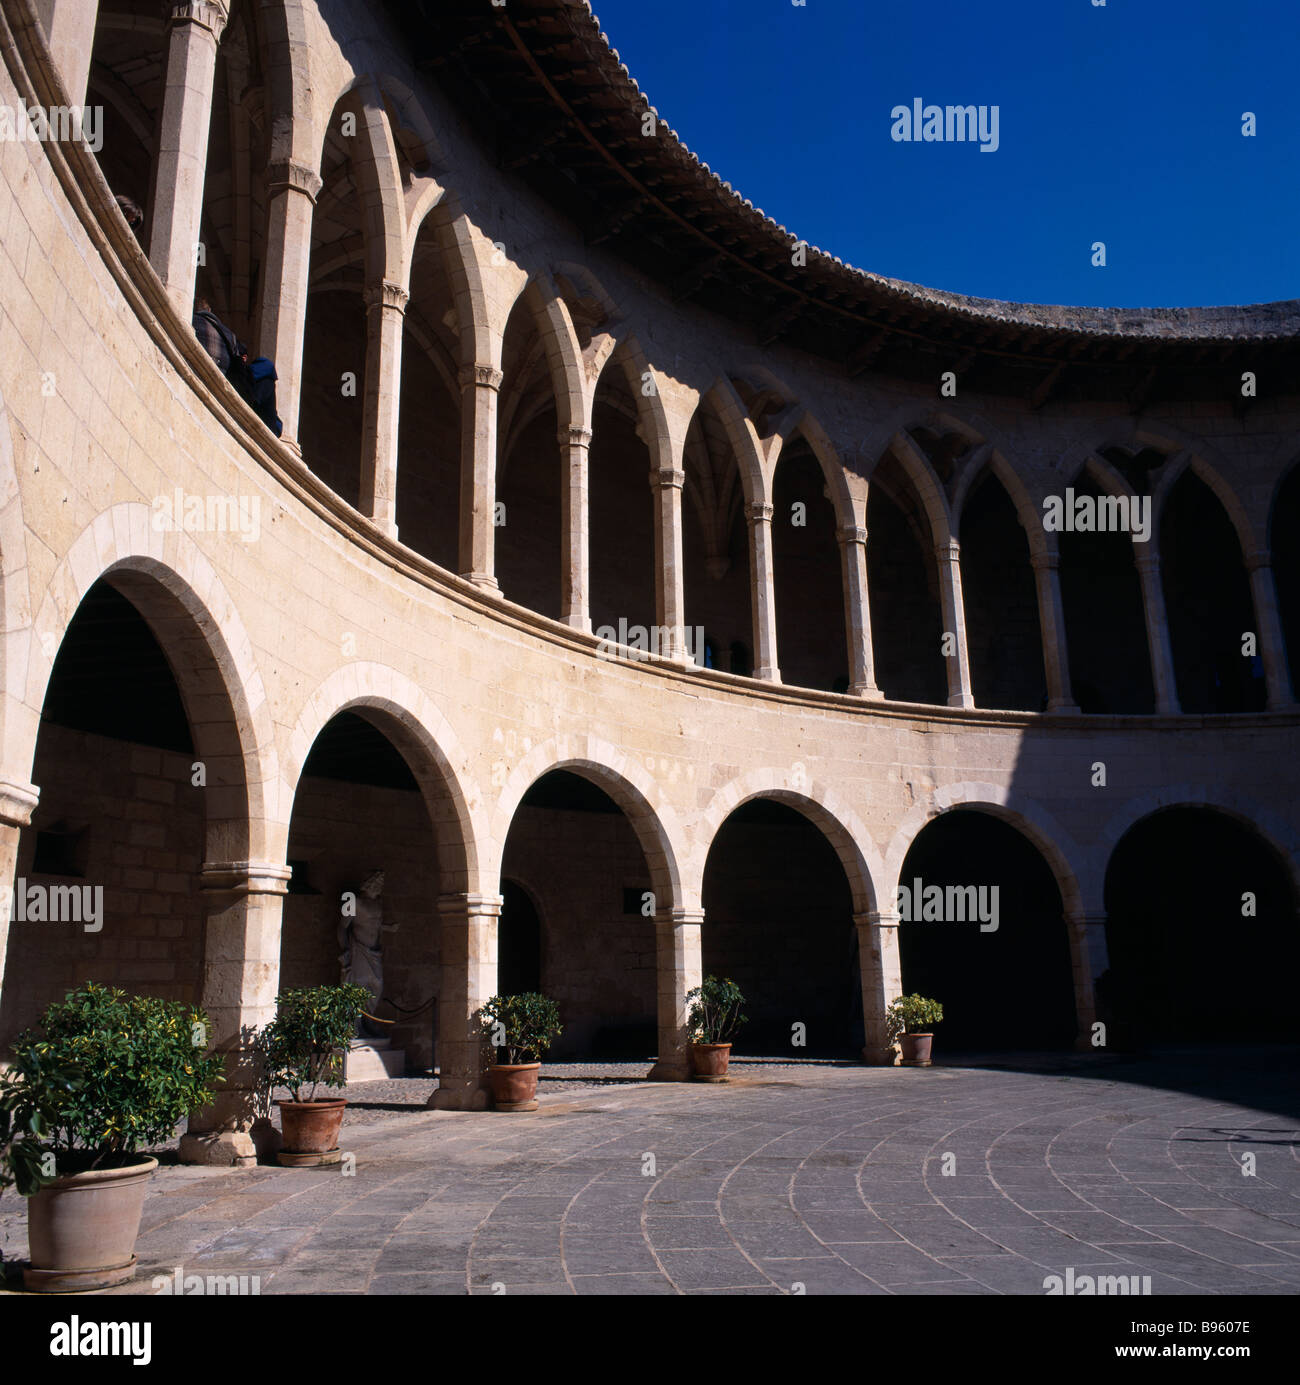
1045, 560
17, 802
948, 551
667, 478
676, 917
470, 905
575, 436
877, 918
483, 376
851, 533
759, 512
207, 14
245, 877
1077, 918
385, 295
1258, 559
1146, 559
288, 175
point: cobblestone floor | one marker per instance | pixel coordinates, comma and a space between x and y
842, 1179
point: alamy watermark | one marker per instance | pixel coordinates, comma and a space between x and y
637, 641
178, 1283
208, 514
922, 124
53, 125
24, 903
922, 903
1082, 513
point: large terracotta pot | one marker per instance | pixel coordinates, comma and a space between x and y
514, 1086
916, 1049
311, 1131
81, 1228
710, 1061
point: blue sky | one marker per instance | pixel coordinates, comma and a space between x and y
1120, 124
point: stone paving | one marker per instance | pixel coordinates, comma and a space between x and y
837, 1178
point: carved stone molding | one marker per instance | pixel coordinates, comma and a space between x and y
386, 295
484, 376
286, 174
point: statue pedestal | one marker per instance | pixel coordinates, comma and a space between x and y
373, 1060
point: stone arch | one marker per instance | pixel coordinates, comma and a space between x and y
15, 600
454, 234
294, 137
995, 464
181, 597
428, 742
819, 804
809, 427
929, 489
1074, 873
755, 478
627, 782
379, 178
1272, 828
1213, 478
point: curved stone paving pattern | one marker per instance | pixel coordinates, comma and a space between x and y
827, 1178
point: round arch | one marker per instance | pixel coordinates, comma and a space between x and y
430, 747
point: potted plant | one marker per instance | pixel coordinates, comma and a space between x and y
107, 1074
523, 1027
301, 1049
911, 1018
713, 1021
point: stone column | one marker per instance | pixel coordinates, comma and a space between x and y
679, 970
176, 199
385, 316
670, 567
1272, 643
292, 190
479, 387
762, 591
469, 979
882, 981
69, 27
1153, 608
241, 978
948, 557
1089, 958
1051, 621
17, 804
575, 549
857, 610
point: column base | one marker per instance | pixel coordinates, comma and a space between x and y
881, 1057
869, 691
222, 1148
676, 1071
961, 700
484, 581
458, 1099
768, 675
577, 620
386, 527
1060, 705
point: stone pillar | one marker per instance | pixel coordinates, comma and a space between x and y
1272, 643
670, 567
1089, 958
1051, 622
69, 27
469, 979
575, 550
241, 978
882, 981
1153, 608
385, 316
292, 190
479, 387
948, 557
176, 198
679, 970
762, 591
17, 804
857, 610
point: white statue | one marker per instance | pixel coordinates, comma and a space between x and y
360, 936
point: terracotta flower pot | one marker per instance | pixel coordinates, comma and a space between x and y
710, 1061
82, 1228
916, 1049
311, 1131
514, 1086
